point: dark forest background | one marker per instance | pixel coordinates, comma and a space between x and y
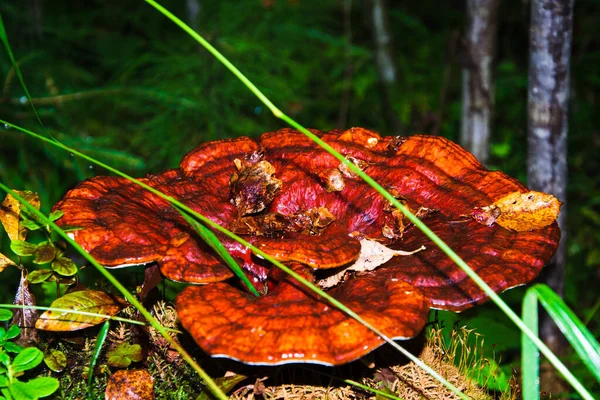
121, 83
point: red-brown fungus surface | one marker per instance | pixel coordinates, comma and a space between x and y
291, 324
293, 200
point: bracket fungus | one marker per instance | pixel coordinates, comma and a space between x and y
290, 198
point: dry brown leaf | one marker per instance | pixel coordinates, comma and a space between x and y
10, 213
520, 212
25, 318
372, 255
130, 385
5, 262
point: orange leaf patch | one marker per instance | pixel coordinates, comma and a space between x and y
520, 212
130, 385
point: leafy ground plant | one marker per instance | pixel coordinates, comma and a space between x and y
14, 361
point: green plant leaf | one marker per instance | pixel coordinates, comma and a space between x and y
3, 381
13, 347
226, 383
5, 359
55, 360
54, 215
64, 266
124, 354
90, 301
29, 358
39, 275
44, 253
22, 248
5, 314
31, 225
34, 389
12, 332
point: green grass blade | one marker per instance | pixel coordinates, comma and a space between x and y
100, 339
530, 355
210, 383
576, 333
4, 38
89, 314
214, 242
436, 239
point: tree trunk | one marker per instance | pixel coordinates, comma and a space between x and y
550, 52
192, 8
478, 86
384, 60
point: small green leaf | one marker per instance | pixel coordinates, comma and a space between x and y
55, 360
34, 389
45, 253
13, 347
226, 384
124, 354
12, 332
3, 381
29, 358
54, 215
5, 314
22, 248
64, 266
5, 359
31, 225
39, 275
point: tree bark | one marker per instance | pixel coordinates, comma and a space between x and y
192, 8
384, 60
549, 79
478, 85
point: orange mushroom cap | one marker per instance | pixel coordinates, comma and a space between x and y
296, 202
290, 324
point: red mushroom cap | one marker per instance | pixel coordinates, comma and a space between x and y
296, 202
291, 324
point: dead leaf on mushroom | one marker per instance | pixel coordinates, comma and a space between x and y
10, 213
372, 255
520, 212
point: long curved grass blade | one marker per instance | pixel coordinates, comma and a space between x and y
530, 355
416, 221
89, 314
582, 340
4, 39
210, 383
212, 240
100, 339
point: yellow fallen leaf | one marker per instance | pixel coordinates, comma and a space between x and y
520, 211
87, 301
10, 213
5, 262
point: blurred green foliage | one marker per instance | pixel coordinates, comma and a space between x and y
120, 82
